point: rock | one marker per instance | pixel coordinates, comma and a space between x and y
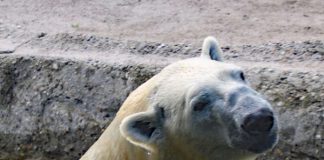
6, 47
55, 66
40, 35
320, 50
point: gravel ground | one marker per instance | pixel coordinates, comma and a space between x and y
183, 21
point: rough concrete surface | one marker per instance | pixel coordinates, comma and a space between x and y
66, 66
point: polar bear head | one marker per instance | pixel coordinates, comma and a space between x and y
203, 108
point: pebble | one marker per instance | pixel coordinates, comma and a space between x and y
302, 98
279, 104
55, 66
40, 35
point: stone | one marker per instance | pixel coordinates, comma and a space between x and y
6, 47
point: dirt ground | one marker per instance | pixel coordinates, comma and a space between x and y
233, 22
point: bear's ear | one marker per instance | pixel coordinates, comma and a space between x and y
211, 49
144, 129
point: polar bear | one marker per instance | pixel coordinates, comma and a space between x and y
195, 109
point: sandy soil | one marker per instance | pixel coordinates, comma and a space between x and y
234, 22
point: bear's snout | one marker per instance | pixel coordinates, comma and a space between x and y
259, 122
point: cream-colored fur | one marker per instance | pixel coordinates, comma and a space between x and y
155, 122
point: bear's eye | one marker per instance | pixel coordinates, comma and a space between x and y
242, 76
199, 106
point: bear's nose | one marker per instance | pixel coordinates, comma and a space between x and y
259, 122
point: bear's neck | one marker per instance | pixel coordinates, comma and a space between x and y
173, 151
